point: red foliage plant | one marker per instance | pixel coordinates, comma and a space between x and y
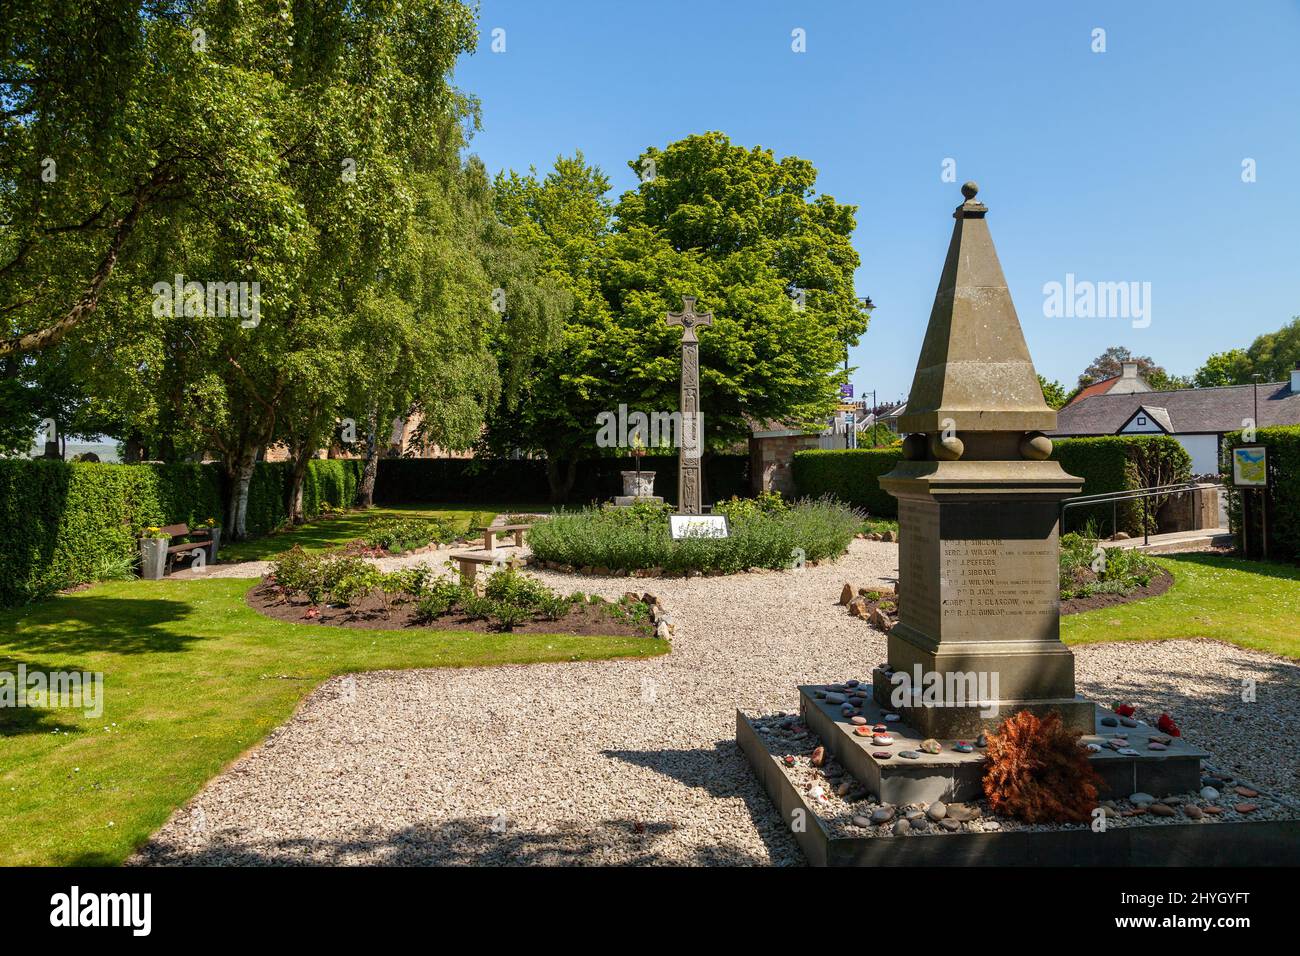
1035, 771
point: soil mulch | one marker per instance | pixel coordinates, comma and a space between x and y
1159, 585
371, 612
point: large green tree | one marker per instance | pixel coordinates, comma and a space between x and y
745, 233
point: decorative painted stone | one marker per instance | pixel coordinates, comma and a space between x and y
862, 731
1156, 746
1193, 812
1094, 748
1209, 793
1246, 807
962, 747
1213, 810
816, 792
859, 721
818, 756
982, 740
882, 740
909, 754
1127, 752
852, 683
892, 718
880, 728
882, 754
930, 745
1110, 722
1126, 722
789, 760
834, 698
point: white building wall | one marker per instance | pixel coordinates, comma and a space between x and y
1204, 450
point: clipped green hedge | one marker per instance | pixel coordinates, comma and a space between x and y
1107, 463
66, 523
849, 474
1283, 445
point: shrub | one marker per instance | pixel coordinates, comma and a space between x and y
440, 597
1119, 571
634, 538
1035, 771
850, 475
1120, 463
398, 535
332, 575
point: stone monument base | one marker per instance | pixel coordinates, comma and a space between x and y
959, 722
626, 501
951, 776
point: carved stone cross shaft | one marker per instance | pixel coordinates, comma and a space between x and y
688, 458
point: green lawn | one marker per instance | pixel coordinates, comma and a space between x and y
192, 679
1248, 603
350, 525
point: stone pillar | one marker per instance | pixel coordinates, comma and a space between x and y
978, 499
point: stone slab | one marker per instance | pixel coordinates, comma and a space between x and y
951, 776
626, 501
1263, 843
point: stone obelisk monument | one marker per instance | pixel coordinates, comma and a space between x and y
977, 508
688, 456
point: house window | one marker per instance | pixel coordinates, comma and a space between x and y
1142, 420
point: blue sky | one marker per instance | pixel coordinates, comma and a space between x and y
1120, 166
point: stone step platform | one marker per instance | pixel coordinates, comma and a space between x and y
951, 776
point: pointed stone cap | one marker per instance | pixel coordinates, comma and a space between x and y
974, 367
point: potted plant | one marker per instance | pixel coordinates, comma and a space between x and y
153, 553
638, 484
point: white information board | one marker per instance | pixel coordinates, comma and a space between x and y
698, 526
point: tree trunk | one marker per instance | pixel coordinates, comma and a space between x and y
237, 509
293, 504
133, 449
366, 491
560, 476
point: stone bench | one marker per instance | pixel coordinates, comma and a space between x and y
490, 534
470, 561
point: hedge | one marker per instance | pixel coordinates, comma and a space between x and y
1107, 463
849, 474
65, 523
523, 481
1283, 443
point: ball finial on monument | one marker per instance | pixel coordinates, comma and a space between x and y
970, 188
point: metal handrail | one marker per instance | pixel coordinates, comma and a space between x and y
1115, 497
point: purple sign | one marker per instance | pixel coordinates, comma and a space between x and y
846, 391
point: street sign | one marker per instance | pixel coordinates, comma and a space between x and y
1250, 466
846, 391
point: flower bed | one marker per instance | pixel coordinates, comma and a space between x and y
766, 532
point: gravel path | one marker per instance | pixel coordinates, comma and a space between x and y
634, 762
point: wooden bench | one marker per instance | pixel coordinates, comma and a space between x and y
489, 534
470, 561
177, 551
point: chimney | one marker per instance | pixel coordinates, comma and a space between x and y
1295, 379
1129, 370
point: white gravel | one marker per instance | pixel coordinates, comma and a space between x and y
635, 762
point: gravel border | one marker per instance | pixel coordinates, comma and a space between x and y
635, 762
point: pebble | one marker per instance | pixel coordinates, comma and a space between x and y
982, 740
960, 812
1192, 812
861, 822
818, 756
937, 811
881, 754
1109, 722
963, 748
901, 827
909, 754
1160, 810
891, 718
834, 698
1128, 722
1209, 793
952, 826
1246, 807
882, 814
1141, 798
992, 825
1245, 792
1214, 810
1156, 746
852, 683
930, 745
1127, 752
914, 815
859, 720
880, 728
789, 760
816, 792
862, 731
882, 740
1094, 748
843, 788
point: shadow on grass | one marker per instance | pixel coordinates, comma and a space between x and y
465, 841
116, 625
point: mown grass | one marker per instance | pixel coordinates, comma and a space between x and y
192, 677
345, 526
1251, 604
